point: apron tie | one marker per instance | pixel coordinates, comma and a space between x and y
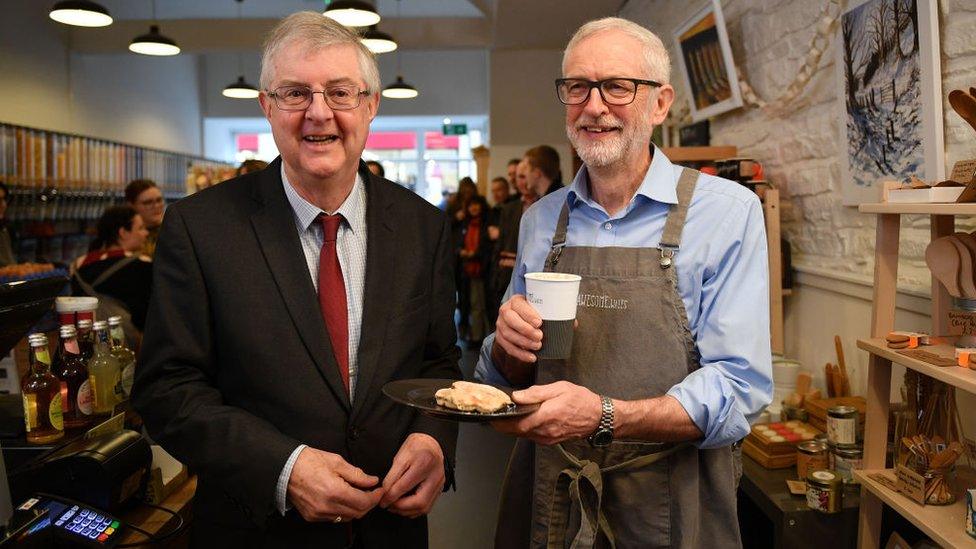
582, 485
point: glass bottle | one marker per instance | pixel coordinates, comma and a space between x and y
70, 368
85, 343
103, 371
42, 395
127, 358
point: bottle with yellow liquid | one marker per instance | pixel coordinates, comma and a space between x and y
103, 371
42, 395
127, 358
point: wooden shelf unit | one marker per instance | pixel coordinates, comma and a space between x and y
943, 524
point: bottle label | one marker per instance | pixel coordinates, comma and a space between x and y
118, 337
85, 403
71, 346
55, 414
128, 375
30, 411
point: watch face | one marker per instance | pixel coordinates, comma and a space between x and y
603, 437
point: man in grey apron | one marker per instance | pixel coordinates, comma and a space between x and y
632, 443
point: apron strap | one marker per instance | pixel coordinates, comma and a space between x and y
582, 485
671, 238
558, 239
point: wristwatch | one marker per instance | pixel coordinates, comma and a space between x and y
603, 435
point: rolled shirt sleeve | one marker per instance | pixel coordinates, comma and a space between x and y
734, 382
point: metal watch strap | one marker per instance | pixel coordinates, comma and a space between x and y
606, 419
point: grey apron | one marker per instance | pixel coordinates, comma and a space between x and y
633, 342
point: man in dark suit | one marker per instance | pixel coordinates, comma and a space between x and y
283, 301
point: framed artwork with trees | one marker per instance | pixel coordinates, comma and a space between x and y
891, 96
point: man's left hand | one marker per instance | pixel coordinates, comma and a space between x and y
416, 478
567, 412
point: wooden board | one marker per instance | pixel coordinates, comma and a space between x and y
155, 521
766, 460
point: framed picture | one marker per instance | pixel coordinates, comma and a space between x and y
705, 59
890, 102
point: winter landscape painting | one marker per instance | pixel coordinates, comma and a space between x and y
885, 92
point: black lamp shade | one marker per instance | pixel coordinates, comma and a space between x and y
400, 90
154, 43
352, 13
80, 13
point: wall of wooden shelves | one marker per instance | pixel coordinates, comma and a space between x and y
943, 524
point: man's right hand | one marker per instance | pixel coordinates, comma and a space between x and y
324, 486
518, 329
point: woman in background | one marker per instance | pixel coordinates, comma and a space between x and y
114, 268
147, 200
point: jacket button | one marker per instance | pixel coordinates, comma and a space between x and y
354, 433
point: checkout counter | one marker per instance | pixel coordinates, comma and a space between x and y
87, 489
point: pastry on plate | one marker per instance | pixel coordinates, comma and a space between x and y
473, 397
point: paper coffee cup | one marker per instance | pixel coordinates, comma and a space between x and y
554, 295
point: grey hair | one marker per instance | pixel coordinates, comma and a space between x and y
316, 31
655, 54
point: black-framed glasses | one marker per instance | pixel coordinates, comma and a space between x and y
298, 98
613, 91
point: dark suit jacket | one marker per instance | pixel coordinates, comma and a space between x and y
237, 369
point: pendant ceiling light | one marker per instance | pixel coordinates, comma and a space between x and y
154, 43
352, 13
80, 13
240, 89
400, 89
378, 41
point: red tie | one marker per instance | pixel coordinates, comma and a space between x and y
332, 295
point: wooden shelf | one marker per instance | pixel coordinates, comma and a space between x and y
963, 378
945, 524
699, 154
968, 208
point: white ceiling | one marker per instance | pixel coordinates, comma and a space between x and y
219, 9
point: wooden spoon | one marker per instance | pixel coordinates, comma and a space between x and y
942, 257
965, 105
966, 261
970, 242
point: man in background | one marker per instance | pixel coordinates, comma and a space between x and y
376, 168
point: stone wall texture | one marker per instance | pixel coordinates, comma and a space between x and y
801, 150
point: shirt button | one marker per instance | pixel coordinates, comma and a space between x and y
608, 226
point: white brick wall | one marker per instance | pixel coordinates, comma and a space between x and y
801, 150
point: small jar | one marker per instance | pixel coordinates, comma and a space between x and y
842, 425
961, 319
825, 491
844, 459
811, 456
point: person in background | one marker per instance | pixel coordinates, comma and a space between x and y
7, 256
250, 166
500, 196
670, 360
115, 266
376, 168
147, 200
283, 302
542, 170
457, 211
511, 171
475, 254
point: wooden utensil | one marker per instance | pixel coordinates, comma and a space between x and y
943, 260
829, 380
838, 380
965, 105
845, 379
970, 242
966, 261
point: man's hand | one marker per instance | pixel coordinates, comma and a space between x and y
567, 412
518, 329
416, 477
324, 486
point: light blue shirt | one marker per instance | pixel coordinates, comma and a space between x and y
722, 269
351, 249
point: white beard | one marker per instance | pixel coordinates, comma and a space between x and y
608, 151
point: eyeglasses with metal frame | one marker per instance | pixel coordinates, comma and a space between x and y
613, 91
299, 98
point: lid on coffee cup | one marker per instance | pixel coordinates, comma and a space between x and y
554, 277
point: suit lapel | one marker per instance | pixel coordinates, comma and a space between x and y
380, 253
274, 225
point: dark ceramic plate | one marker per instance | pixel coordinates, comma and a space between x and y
419, 394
